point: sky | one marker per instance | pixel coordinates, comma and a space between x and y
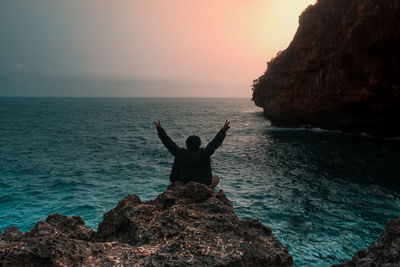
161, 48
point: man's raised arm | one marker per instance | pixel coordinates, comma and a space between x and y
218, 139
165, 139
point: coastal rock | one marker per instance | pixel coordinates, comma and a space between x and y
385, 251
341, 70
187, 225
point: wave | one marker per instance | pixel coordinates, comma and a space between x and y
320, 130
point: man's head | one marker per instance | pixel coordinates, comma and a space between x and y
193, 142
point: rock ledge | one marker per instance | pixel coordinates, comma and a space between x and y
186, 225
385, 251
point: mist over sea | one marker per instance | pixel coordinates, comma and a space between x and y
325, 194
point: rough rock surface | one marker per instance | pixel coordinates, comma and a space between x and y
187, 225
385, 251
341, 70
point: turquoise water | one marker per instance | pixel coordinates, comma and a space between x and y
324, 194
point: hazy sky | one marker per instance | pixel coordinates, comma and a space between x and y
141, 48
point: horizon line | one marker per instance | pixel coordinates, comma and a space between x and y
243, 97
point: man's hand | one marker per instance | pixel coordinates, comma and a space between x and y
226, 126
158, 125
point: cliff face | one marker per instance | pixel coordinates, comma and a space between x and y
341, 71
187, 225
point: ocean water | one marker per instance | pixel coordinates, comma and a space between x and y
324, 194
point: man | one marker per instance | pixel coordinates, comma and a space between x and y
193, 163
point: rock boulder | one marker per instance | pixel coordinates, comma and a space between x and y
187, 225
385, 251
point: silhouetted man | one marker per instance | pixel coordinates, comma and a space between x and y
193, 163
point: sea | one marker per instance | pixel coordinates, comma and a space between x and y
325, 194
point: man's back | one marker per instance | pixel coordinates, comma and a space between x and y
194, 163
193, 166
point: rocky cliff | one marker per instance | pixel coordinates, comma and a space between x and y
187, 225
341, 70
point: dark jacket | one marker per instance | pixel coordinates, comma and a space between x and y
191, 165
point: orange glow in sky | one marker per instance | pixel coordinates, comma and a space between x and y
181, 48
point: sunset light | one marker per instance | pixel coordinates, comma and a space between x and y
148, 48
199, 133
